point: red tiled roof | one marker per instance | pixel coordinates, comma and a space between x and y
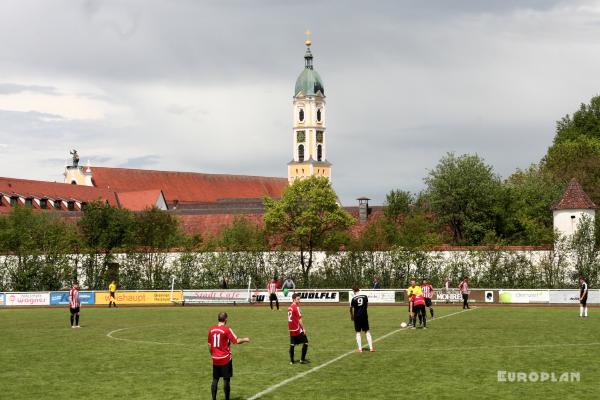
53, 190
574, 198
140, 200
189, 187
212, 224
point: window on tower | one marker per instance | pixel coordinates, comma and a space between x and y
319, 115
319, 153
301, 115
301, 153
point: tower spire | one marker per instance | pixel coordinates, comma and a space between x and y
308, 57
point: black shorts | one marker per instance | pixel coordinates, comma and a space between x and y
74, 310
583, 301
420, 308
361, 324
223, 371
112, 294
300, 339
272, 297
427, 302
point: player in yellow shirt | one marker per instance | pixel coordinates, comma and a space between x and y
412, 290
112, 288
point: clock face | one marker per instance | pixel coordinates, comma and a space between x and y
319, 136
300, 136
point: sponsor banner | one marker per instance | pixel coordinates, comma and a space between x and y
489, 296
572, 296
524, 296
1, 299
62, 298
305, 296
216, 296
27, 299
123, 297
447, 296
376, 296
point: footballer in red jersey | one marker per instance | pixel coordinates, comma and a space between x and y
74, 304
297, 330
219, 338
427, 290
419, 309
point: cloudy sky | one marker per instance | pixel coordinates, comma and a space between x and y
207, 86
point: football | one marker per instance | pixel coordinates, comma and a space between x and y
403, 325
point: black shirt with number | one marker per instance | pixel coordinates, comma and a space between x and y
359, 304
583, 289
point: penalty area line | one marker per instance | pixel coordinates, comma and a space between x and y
338, 358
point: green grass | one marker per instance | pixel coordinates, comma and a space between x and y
457, 357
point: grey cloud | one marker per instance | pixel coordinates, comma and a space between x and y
141, 161
15, 88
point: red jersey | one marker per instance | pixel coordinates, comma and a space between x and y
272, 287
74, 301
427, 290
418, 300
219, 337
294, 316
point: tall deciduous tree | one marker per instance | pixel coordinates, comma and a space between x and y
305, 216
398, 203
462, 191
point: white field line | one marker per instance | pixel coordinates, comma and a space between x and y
110, 335
336, 359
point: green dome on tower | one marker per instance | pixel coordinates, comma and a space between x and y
309, 82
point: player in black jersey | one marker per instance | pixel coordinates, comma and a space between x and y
358, 314
583, 295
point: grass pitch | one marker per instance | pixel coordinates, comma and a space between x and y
161, 353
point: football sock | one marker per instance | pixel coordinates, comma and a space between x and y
581, 311
304, 351
585, 311
226, 387
72, 318
431, 311
271, 304
277, 304
291, 352
425, 319
369, 340
77, 320
358, 340
420, 319
213, 388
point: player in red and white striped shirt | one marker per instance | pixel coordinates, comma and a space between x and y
74, 304
427, 290
219, 338
464, 290
272, 287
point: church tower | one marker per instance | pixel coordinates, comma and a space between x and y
309, 137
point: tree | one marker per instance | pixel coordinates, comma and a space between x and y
243, 235
397, 203
583, 248
462, 191
305, 216
526, 200
104, 228
584, 122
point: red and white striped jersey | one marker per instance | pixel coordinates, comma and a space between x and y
272, 287
427, 291
464, 287
74, 301
219, 337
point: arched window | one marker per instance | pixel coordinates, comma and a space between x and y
319, 153
73, 183
301, 115
319, 115
301, 153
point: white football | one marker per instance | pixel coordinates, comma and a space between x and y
403, 325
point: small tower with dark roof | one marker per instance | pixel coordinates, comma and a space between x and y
573, 205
